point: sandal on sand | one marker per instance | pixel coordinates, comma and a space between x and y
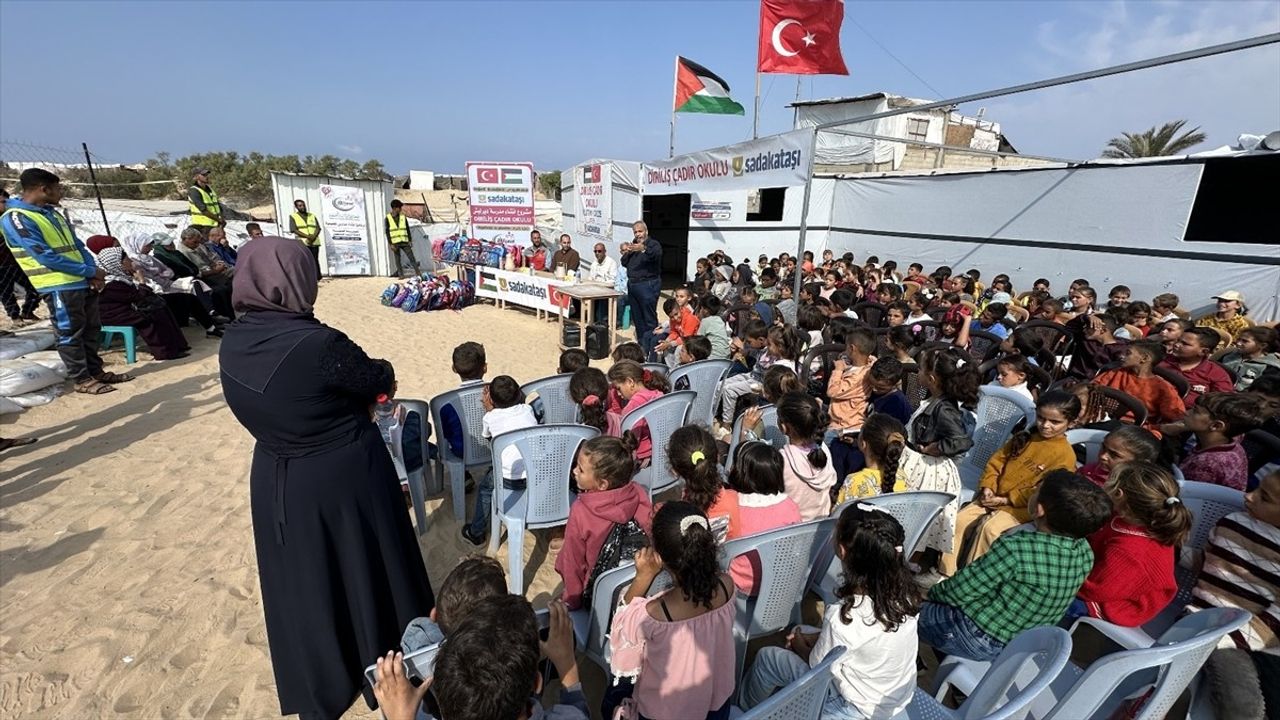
7, 443
93, 387
111, 378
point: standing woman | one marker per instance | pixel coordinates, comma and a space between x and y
338, 562
643, 260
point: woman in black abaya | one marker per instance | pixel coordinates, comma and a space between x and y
338, 561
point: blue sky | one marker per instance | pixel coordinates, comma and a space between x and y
430, 85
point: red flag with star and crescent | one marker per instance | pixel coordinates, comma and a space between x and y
801, 37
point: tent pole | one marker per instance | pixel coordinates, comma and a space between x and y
97, 192
1068, 79
755, 116
804, 217
675, 88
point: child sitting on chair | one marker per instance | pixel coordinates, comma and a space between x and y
1028, 579
401, 430
505, 410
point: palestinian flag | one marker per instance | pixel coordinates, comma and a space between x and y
702, 91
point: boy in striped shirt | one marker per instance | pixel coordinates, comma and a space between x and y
1242, 568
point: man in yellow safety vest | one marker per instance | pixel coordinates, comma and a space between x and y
203, 203
306, 228
64, 272
397, 226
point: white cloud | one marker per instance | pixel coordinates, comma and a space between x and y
351, 149
1225, 95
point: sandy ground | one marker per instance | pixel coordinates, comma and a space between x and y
128, 583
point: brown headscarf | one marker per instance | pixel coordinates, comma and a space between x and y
274, 273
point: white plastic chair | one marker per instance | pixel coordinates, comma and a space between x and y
786, 556
999, 411
664, 416
772, 433
1168, 666
915, 511
802, 698
548, 452
467, 402
553, 393
1208, 504
656, 367
1022, 672
421, 663
704, 378
417, 478
591, 624
1090, 440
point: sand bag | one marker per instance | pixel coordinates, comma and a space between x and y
50, 359
39, 397
26, 342
18, 377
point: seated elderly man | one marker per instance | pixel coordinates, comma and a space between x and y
210, 267
219, 246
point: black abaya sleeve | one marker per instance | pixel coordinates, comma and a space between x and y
346, 369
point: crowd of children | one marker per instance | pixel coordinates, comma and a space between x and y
891, 410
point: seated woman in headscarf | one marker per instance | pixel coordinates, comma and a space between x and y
182, 295
125, 301
163, 250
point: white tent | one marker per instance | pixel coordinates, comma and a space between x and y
1131, 223
1139, 223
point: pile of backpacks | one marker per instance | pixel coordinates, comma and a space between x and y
429, 292
470, 251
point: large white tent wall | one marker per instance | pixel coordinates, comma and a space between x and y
1109, 223
87, 220
287, 187
743, 240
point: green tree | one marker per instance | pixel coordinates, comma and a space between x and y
1154, 142
549, 183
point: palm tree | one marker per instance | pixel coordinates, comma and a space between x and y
1155, 142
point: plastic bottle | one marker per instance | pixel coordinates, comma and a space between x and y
384, 415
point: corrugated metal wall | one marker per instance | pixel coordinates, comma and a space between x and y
287, 187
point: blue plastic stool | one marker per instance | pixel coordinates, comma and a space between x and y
127, 334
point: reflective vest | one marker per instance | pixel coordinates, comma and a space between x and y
400, 231
211, 205
58, 238
309, 224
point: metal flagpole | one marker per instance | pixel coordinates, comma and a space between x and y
804, 217
675, 87
755, 116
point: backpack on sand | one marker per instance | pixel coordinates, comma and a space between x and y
620, 545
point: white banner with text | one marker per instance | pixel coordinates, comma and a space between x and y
777, 161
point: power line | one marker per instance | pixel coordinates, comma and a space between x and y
896, 59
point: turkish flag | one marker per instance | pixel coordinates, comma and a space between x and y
801, 37
487, 175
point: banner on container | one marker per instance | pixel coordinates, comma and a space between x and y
593, 200
501, 196
346, 230
721, 210
534, 291
776, 161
